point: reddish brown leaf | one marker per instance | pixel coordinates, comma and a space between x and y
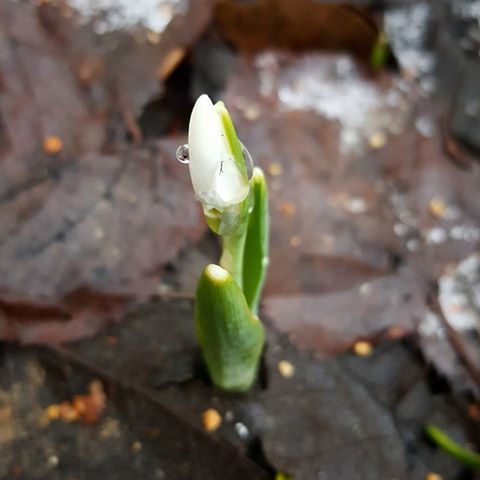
299, 25
88, 221
332, 322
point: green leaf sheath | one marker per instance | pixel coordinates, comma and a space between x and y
230, 336
255, 259
467, 457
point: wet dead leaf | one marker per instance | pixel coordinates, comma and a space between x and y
332, 322
299, 25
88, 220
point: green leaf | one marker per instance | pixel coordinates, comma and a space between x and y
255, 259
232, 138
283, 476
230, 336
467, 457
379, 54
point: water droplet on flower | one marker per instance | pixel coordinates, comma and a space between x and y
183, 155
247, 158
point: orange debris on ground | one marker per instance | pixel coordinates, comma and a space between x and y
111, 340
474, 412
295, 241
211, 420
437, 207
52, 145
286, 369
377, 140
363, 348
287, 209
395, 332
275, 169
87, 408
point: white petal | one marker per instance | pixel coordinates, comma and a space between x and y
206, 148
230, 187
216, 179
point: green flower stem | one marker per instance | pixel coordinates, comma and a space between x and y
233, 247
465, 456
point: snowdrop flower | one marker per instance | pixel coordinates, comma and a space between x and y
217, 169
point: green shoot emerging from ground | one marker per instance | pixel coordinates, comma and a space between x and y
463, 455
234, 198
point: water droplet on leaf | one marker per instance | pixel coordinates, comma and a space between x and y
247, 158
183, 155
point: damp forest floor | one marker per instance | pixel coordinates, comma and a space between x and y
371, 304
346, 417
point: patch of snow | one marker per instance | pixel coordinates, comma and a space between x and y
111, 15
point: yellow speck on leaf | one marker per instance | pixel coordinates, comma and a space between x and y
436, 207
363, 348
53, 412
287, 209
52, 145
286, 369
377, 140
136, 447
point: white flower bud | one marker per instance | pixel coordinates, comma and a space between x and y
217, 180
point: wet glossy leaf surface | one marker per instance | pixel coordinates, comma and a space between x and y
375, 200
89, 220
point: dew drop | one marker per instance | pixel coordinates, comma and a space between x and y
247, 158
183, 155
242, 430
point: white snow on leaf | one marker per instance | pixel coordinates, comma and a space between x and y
459, 294
111, 15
